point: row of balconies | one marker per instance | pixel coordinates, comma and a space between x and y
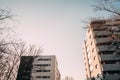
102, 40
111, 67
112, 77
102, 33
109, 57
106, 77
105, 48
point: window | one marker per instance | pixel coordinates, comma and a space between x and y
110, 62
101, 36
46, 70
42, 70
96, 66
46, 77
94, 57
41, 64
38, 76
106, 52
41, 59
93, 50
99, 29
105, 43
90, 37
38, 70
42, 76
91, 43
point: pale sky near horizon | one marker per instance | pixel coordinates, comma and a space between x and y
56, 26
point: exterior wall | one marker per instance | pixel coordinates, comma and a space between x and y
93, 66
87, 68
98, 56
43, 68
24, 72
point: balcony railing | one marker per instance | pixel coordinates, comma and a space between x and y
109, 57
102, 40
110, 67
112, 77
105, 48
102, 33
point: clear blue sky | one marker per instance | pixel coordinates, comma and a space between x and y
56, 26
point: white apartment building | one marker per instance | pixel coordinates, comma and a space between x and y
101, 50
38, 68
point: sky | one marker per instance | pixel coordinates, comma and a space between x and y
55, 25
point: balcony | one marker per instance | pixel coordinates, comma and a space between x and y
105, 48
109, 57
111, 67
102, 33
102, 40
112, 77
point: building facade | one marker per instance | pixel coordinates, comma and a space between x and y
101, 50
38, 68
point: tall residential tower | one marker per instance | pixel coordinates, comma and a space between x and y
101, 50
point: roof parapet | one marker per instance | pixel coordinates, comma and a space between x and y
100, 23
97, 23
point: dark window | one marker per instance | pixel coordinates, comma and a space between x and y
106, 52
101, 36
41, 59
110, 62
112, 72
46, 70
42, 76
38, 76
105, 43
90, 36
38, 70
94, 57
93, 50
42, 70
96, 66
41, 64
99, 29
91, 43
46, 77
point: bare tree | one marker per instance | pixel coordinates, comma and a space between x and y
111, 6
11, 49
113, 22
4, 15
16, 51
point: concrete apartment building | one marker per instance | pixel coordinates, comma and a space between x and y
38, 68
101, 50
